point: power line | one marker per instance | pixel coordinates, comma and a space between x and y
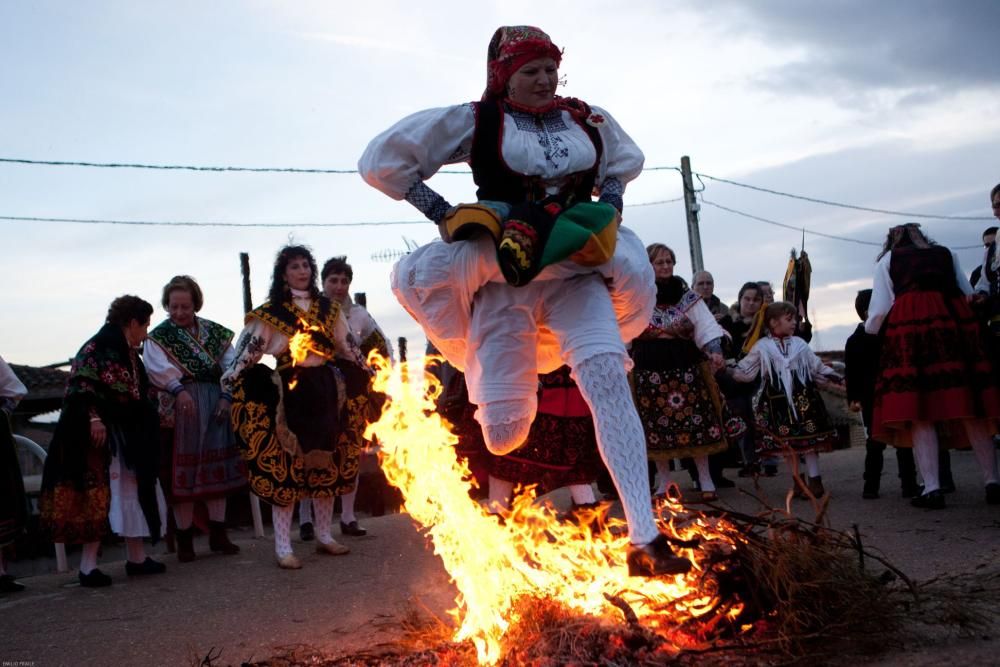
190, 223
806, 230
786, 226
184, 167
827, 202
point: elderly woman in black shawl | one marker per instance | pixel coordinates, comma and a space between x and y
101, 469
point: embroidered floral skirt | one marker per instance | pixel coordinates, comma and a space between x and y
932, 367
77, 513
300, 442
780, 430
561, 448
682, 410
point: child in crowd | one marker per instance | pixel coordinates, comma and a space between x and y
788, 412
861, 358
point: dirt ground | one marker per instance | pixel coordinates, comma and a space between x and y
244, 608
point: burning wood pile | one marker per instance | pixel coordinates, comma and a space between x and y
535, 590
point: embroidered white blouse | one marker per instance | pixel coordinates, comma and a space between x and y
163, 372
363, 325
552, 146
258, 339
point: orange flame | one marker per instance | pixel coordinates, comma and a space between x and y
300, 345
533, 553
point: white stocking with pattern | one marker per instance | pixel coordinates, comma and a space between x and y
620, 438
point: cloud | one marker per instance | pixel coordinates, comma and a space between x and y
853, 50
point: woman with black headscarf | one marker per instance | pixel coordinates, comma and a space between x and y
102, 464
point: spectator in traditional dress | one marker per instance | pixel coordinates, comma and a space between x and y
308, 445
789, 414
933, 370
185, 356
103, 460
682, 410
561, 449
336, 278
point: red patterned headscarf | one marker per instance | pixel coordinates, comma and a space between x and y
509, 50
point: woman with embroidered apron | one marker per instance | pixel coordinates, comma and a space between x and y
679, 402
184, 356
535, 274
292, 423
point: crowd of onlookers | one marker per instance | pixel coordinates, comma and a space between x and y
716, 386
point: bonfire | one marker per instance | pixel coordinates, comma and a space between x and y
536, 590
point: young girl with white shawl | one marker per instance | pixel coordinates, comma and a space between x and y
788, 411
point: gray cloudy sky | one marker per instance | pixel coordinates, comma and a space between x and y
892, 105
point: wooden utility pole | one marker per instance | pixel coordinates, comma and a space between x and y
692, 207
258, 521
245, 270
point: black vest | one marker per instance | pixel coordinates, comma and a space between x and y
498, 182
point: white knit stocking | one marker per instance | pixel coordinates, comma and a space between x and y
134, 549
305, 511
216, 509
582, 494
281, 517
506, 424
812, 463
980, 435
500, 492
323, 507
925, 453
662, 476
347, 504
704, 474
620, 438
183, 515
88, 557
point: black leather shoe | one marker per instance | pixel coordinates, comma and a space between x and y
306, 532
148, 566
869, 493
724, 483
932, 501
908, 490
770, 470
9, 585
352, 529
655, 558
94, 579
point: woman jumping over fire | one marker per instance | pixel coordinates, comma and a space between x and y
534, 275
